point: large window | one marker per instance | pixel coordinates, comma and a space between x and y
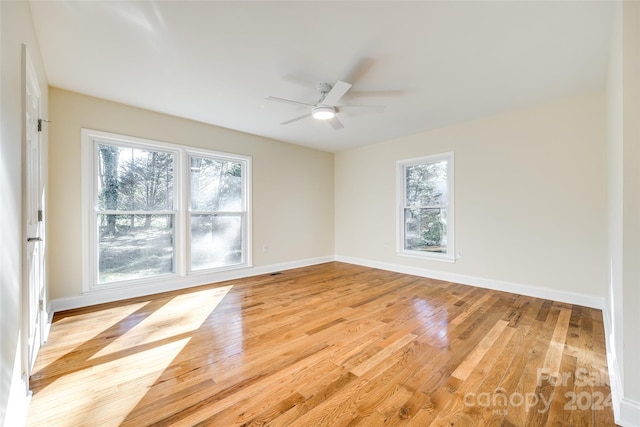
425, 212
156, 210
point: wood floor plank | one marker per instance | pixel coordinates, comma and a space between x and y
465, 393
333, 344
464, 369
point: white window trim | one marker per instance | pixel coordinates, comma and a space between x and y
89, 141
400, 192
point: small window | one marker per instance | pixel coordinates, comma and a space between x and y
426, 207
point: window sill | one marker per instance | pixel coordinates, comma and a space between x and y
427, 257
194, 278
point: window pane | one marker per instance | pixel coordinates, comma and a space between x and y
134, 246
216, 241
425, 230
426, 184
216, 185
134, 179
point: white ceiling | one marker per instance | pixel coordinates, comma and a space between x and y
430, 63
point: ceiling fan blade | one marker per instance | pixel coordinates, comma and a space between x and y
287, 101
361, 108
361, 69
335, 123
374, 93
296, 119
337, 91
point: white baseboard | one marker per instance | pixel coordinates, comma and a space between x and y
625, 410
100, 297
629, 413
498, 285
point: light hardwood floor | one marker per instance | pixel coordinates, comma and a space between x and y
333, 344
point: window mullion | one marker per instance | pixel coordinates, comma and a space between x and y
123, 212
181, 206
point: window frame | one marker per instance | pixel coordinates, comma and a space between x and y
90, 139
401, 179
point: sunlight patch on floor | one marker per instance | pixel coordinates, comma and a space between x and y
61, 341
182, 315
133, 362
98, 405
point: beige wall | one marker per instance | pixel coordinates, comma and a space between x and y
292, 186
529, 197
16, 29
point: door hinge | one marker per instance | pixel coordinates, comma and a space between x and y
39, 215
40, 123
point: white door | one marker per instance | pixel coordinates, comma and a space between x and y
33, 204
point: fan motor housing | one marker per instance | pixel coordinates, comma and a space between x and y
324, 88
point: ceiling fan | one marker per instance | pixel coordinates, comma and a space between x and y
327, 106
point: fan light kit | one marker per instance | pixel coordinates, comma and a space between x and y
327, 106
323, 112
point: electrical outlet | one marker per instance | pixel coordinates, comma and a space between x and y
265, 249
459, 254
